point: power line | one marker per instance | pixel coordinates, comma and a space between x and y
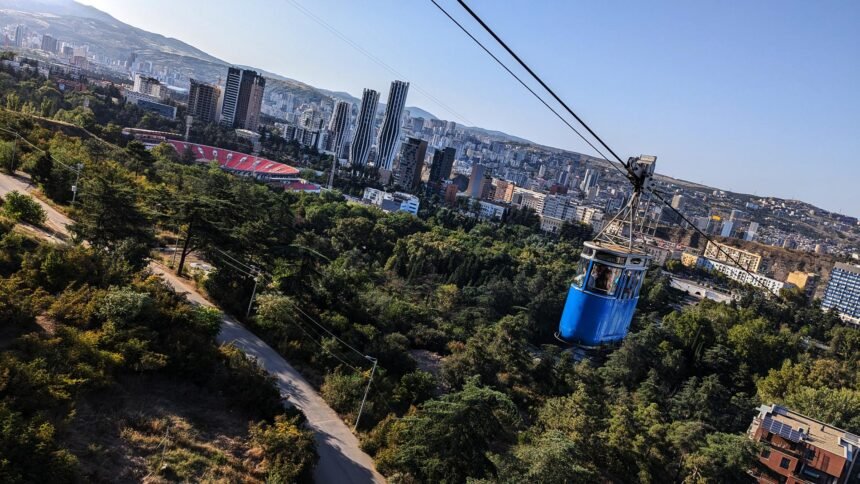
25, 140
303, 330
295, 305
299, 309
506, 68
233, 266
538, 79
377, 60
249, 267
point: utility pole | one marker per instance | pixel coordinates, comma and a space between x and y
333, 168
78, 168
175, 245
366, 390
253, 292
14, 155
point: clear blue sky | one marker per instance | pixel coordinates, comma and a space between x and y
760, 97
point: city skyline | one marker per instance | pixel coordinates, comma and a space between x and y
760, 98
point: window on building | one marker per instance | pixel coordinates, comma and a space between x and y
765, 453
785, 462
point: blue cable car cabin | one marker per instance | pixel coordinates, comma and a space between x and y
603, 296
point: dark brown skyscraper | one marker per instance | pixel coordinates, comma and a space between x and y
243, 97
408, 173
203, 101
443, 161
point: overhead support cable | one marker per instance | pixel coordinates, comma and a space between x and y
537, 78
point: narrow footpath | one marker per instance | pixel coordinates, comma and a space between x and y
341, 457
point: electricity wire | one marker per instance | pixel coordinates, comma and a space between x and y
375, 59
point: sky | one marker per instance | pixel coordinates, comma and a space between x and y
756, 97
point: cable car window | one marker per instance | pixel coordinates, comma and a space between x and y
603, 278
636, 281
581, 271
631, 287
629, 284
615, 259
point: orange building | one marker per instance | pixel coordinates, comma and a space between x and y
451, 194
799, 449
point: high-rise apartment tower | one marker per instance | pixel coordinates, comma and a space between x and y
360, 147
389, 132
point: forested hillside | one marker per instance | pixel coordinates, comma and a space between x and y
460, 316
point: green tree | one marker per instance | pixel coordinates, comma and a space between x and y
723, 458
448, 439
39, 166
23, 208
289, 450
110, 216
8, 156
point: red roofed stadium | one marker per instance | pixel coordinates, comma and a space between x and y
241, 164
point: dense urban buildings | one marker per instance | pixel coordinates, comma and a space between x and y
391, 201
389, 132
203, 101
799, 449
361, 142
243, 96
147, 94
560, 186
843, 291
741, 275
733, 256
407, 175
149, 86
443, 161
590, 180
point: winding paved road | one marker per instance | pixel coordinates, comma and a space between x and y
341, 458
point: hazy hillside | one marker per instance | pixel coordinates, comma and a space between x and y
72, 22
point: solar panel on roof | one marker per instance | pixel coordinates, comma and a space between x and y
783, 430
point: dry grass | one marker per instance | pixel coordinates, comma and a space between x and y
156, 430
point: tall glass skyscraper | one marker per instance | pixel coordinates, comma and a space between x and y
360, 148
389, 133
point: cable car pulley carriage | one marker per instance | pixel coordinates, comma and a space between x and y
603, 296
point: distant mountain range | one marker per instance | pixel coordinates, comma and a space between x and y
73, 22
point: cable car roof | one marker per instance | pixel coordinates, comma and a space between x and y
616, 249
